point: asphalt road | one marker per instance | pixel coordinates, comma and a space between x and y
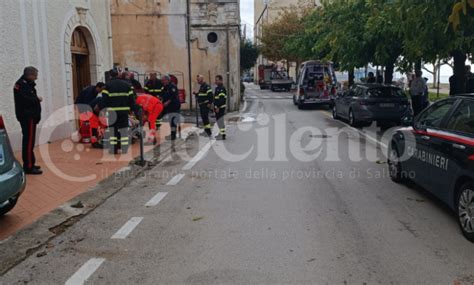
291, 197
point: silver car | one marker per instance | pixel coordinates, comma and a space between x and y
12, 177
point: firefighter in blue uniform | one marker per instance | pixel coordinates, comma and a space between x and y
172, 105
155, 87
204, 100
119, 99
220, 104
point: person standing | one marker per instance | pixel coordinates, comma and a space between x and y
220, 104
119, 99
371, 78
172, 105
417, 89
204, 100
154, 87
28, 113
469, 80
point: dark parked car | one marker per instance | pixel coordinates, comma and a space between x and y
437, 153
12, 177
366, 103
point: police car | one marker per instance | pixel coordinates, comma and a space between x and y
437, 153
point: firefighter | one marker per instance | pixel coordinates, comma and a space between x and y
152, 109
220, 104
137, 86
172, 105
154, 87
118, 99
28, 113
204, 100
84, 103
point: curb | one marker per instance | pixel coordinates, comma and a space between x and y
30, 239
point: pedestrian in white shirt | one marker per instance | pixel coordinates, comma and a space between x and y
417, 89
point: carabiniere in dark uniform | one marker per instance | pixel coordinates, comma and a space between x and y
28, 113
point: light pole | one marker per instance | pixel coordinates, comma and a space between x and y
190, 76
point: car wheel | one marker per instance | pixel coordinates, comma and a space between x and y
352, 120
8, 205
394, 165
465, 201
334, 112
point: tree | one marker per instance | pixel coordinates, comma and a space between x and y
248, 55
280, 38
461, 23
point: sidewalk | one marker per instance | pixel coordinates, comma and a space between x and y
69, 170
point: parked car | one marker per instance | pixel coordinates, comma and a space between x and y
366, 103
316, 84
247, 78
12, 177
437, 153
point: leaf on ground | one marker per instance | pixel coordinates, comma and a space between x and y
78, 205
197, 219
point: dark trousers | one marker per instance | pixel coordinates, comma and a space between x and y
28, 130
174, 118
220, 121
417, 104
118, 133
204, 110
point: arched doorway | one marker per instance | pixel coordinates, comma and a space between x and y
80, 62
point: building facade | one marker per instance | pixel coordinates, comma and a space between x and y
151, 36
70, 43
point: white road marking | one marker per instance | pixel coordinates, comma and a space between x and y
86, 271
175, 180
374, 140
198, 156
127, 228
156, 199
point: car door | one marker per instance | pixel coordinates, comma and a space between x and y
419, 146
345, 102
452, 146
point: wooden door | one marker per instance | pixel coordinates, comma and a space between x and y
81, 74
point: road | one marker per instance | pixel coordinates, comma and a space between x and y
292, 196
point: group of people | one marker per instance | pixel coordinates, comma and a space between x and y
108, 106
105, 110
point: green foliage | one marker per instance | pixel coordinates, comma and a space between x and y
388, 33
248, 55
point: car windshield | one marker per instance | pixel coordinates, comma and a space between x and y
384, 92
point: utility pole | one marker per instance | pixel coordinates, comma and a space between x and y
190, 76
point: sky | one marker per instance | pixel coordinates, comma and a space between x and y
246, 16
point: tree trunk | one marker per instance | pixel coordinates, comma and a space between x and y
457, 82
351, 77
418, 65
435, 74
388, 75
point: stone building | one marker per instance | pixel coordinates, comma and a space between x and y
151, 35
69, 41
